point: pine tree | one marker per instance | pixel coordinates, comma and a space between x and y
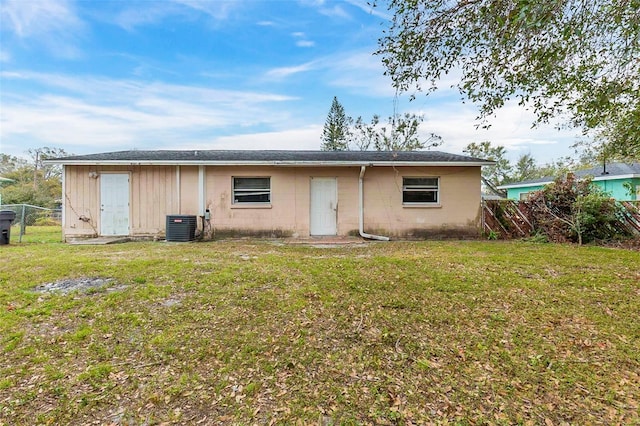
336, 132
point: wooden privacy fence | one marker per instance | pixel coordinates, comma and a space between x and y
512, 219
630, 218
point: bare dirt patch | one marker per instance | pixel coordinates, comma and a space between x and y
82, 284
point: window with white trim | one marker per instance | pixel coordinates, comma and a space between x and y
251, 190
524, 196
420, 190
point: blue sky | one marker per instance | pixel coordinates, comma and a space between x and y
97, 76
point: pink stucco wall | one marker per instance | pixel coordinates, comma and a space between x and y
157, 191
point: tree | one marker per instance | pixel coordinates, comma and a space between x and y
495, 175
34, 182
39, 156
400, 134
561, 166
336, 132
573, 59
9, 163
525, 169
572, 209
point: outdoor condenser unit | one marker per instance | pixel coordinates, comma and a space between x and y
181, 228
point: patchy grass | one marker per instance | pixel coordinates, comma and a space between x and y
260, 333
36, 234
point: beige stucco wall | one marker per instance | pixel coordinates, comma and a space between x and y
157, 191
288, 214
457, 214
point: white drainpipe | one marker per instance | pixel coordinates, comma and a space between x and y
201, 190
178, 193
361, 206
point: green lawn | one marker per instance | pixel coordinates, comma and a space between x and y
36, 234
258, 332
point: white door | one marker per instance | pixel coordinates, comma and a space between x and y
114, 204
324, 206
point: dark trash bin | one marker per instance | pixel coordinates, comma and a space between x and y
6, 218
181, 228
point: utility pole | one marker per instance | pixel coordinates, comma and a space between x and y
35, 169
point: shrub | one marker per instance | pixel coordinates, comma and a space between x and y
574, 210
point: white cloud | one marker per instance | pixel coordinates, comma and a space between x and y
305, 43
356, 72
303, 138
511, 127
150, 13
283, 72
217, 10
302, 40
50, 23
359, 72
365, 6
144, 14
99, 114
336, 11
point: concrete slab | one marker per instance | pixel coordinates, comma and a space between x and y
328, 241
99, 241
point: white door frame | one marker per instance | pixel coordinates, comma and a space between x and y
115, 193
323, 206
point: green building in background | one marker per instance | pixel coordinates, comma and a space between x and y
620, 180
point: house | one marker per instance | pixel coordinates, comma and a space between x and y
299, 194
620, 180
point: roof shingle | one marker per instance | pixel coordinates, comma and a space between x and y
270, 156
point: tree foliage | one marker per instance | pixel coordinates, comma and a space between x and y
576, 59
336, 133
34, 182
401, 133
574, 210
525, 169
498, 174
40, 155
9, 163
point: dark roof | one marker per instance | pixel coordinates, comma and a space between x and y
613, 171
269, 157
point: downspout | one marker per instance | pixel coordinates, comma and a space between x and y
201, 190
201, 196
178, 191
361, 208
63, 213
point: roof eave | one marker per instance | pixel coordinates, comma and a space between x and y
524, 185
269, 163
595, 178
611, 177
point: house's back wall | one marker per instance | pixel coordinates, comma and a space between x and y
157, 191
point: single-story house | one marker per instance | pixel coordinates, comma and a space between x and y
616, 179
375, 194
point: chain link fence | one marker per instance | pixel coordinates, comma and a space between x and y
28, 215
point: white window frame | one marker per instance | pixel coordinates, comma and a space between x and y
236, 202
524, 196
407, 187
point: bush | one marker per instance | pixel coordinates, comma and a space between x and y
572, 210
46, 221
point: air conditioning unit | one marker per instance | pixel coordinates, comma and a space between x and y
181, 228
